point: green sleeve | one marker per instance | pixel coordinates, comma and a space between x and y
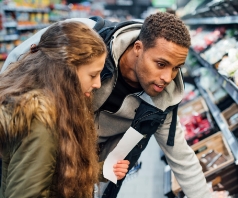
101, 178
32, 165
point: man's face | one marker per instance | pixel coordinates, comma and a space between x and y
158, 66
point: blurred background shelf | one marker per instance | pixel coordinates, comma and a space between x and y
233, 143
225, 82
212, 20
25, 9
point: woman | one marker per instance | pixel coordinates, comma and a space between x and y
47, 138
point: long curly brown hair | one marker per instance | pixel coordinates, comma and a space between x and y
62, 49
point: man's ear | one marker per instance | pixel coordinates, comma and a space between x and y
138, 47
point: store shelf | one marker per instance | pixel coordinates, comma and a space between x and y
61, 7
12, 37
212, 20
226, 83
230, 138
25, 9
10, 24
57, 18
32, 27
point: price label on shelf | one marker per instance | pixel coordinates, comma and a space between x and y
224, 83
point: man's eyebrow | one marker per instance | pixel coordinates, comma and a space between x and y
169, 62
164, 60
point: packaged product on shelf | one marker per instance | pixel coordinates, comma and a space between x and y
215, 151
1, 24
229, 64
3, 56
218, 95
202, 39
217, 189
221, 171
218, 50
212, 87
195, 120
211, 159
235, 4
190, 93
32, 17
230, 8
39, 18
45, 3
45, 18
230, 116
220, 194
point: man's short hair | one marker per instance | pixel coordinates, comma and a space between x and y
164, 25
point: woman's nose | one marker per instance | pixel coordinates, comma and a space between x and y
97, 83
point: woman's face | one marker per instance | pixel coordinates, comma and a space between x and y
89, 75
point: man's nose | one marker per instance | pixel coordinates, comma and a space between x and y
167, 75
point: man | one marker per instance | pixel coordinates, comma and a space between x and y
142, 87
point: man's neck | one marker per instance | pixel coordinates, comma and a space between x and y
127, 65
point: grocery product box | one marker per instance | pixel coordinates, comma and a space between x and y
197, 105
195, 120
230, 117
216, 143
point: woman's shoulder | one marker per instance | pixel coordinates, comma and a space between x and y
18, 112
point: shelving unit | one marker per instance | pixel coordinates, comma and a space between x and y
226, 83
12, 37
10, 24
19, 22
229, 86
25, 9
59, 12
212, 20
222, 13
233, 144
32, 27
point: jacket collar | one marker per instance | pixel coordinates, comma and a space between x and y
17, 113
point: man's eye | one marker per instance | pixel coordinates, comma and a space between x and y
161, 64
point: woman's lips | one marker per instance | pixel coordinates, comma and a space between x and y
87, 94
